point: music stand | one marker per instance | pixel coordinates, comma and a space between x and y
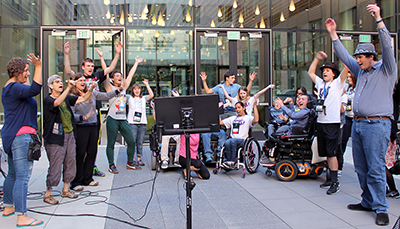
187, 115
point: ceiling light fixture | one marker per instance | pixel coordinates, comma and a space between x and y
241, 19
292, 7
219, 12
257, 12
262, 23
282, 17
235, 5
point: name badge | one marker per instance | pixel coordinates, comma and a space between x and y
58, 129
137, 116
235, 129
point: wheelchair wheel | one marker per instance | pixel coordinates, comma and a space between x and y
252, 154
286, 170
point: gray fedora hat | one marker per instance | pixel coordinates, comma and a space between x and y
365, 48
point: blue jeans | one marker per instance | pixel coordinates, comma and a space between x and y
231, 146
206, 137
19, 173
370, 142
138, 131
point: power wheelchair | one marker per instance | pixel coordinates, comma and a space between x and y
297, 154
248, 157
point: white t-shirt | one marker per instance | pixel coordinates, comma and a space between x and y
137, 110
117, 109
332, 103
249, 105
240, 126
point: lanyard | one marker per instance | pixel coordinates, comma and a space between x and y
325, 92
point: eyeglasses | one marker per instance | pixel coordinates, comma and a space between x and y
57, 81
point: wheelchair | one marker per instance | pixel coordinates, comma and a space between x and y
155, 148
248, 157
295, 155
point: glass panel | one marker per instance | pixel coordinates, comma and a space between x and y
214, 57
119, 13
20, 12
243, 14
17, 43
162, 51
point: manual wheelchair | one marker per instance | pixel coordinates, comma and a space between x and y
295, 155
248, 157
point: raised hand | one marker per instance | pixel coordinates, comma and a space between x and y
203, 76
99, 51
375, 11
145, 81
253, 76
66, 47
35, 60
118, 47
139, 60
271, 86
321, 55
330, 25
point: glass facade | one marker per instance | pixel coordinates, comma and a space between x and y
175, 39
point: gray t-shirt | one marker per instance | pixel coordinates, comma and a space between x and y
117, 109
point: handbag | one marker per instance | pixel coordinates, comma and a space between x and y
34, 151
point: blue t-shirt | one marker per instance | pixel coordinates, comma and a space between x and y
232, 91
20, 109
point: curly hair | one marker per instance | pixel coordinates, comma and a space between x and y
16, 66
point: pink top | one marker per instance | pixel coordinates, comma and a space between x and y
26, 130
194, 145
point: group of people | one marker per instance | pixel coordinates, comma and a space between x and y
72, 121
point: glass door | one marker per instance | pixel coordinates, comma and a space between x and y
218, 52
53, 52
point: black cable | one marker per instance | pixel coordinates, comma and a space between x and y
179, 197
86, 194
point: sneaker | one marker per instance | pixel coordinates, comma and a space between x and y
93, 183
335, 188
339, 173
208, 158
113, 169
327, 184
133, 166
382, 219
140, 162
164, 164
77, 188
177, 164
97, 172
393, 194
266, 161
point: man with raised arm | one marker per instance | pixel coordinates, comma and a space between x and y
373, 111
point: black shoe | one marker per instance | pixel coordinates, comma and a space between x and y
334, 188
393, 194
327, 184
358, 207
382, 219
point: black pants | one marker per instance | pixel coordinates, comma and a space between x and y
203, 172
86, 152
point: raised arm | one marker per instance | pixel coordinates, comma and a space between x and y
64, 94
343, 74
103, 63
151, 93
67, 65
118, 49
226, 93
256, 116
154, 110
35, 60
313, 67
256, 96
204, 78
388, 58
340, 50
252, 77
128, 79
87, 95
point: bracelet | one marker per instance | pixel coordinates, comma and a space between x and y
379, 21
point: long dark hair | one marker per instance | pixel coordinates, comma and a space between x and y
242, 105
354, 79
75, 91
